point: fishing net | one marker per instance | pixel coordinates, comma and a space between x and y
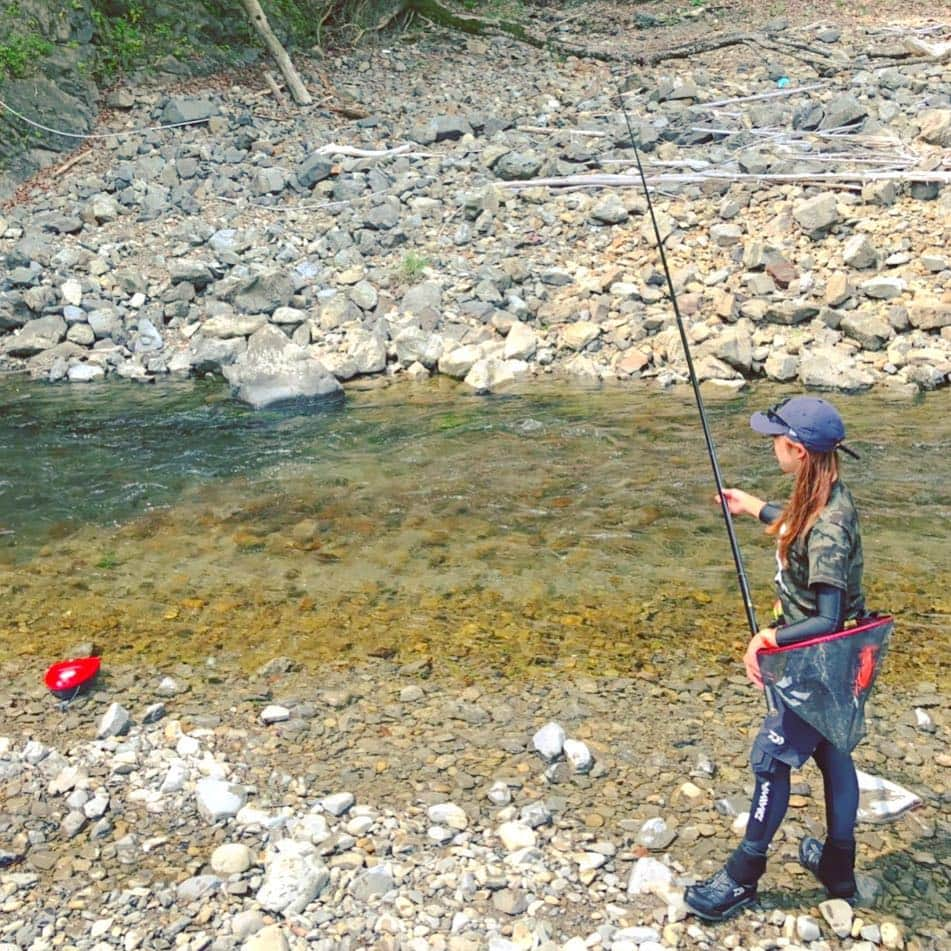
827, 680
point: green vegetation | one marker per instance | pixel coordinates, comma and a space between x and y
413, 266
108, 561
119, 41
20, 42
18, 53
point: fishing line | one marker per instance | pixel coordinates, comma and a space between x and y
708, 438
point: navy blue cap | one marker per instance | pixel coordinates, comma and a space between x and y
808, 420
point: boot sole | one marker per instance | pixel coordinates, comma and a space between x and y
707, 916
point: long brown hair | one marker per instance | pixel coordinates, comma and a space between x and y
814, 480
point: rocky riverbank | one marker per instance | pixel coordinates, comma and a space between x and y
385, 807
800, 185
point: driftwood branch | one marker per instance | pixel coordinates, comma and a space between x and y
80, 156
693, 48
334, 148
693, 178
275, 89
297, 88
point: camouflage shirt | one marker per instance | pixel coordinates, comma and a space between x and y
831, 553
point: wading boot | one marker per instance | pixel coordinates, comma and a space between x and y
732, 889
833, 864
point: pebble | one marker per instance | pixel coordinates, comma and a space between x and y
274, 713
115, 721
338, 803
838, 915
232, 858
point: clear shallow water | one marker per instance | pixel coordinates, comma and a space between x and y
553, 528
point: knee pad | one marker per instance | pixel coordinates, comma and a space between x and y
765, 766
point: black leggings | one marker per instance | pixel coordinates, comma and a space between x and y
771, 797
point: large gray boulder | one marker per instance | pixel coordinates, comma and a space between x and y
36, 336
188, 109
274, 370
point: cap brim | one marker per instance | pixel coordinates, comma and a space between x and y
765, 426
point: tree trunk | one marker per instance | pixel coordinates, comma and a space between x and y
297, 88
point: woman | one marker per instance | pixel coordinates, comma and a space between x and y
819, 587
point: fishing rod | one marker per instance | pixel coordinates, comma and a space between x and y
711, 449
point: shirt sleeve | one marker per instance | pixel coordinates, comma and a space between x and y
829, 547
829, 616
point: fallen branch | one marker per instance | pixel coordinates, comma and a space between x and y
627, 181
80, 156
298, 91
332, 148
791, 91
275, 89
555, 130
693, 48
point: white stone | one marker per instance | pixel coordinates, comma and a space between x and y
500, 793
521, 342
516, 835
310, 828
269, 938
274, 713
293, 878
578, 754
72, 292
175, 778
838, 915
648, 877
218, 799
891, 935
440, 834
491, 374
187, 746
97, 806
578, 335
338, 803
807, 928
458, 362
448, 814
549, 741
359, 825
115, 721
372, 882
232, 858
253, 817
588, 861
636, 934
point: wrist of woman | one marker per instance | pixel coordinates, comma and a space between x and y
768, 636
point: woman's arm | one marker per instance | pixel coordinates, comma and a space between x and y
829, 616
742, 503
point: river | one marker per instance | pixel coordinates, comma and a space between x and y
553, 528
